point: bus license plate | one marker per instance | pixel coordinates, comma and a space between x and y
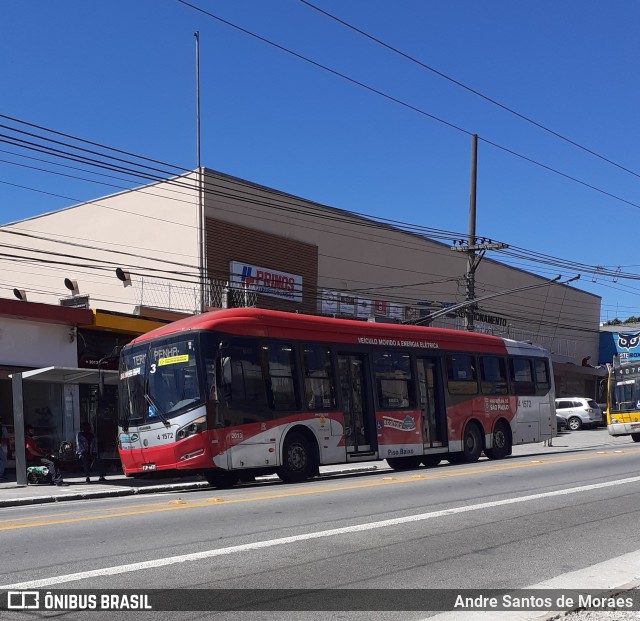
148, 467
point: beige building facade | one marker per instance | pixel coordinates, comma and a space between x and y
274, 250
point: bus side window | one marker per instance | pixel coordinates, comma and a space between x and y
219, 388
543, 383
279, 363
462, 378
521, 376
493, 375
319, 388
241, 382
393, 379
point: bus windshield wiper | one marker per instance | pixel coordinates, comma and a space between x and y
157, 410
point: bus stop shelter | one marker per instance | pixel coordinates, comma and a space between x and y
53, 375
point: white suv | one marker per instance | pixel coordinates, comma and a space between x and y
579, 412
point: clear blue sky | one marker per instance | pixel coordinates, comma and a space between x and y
122, 73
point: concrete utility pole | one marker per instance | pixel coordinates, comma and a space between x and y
471, 247
471, 240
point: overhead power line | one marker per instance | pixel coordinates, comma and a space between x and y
415, 108
179, 169
473, 91
291, 206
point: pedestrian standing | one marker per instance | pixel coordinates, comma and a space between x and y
87, 452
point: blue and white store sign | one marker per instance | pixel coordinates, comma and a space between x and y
266, 281
628, 345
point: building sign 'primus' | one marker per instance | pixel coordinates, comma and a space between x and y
266, 281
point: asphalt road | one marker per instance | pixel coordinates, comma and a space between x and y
509, 524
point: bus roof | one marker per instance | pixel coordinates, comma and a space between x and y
258, 322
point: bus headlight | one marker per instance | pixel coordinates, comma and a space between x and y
196, 426
614, 420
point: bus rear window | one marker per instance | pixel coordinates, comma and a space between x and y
543, 383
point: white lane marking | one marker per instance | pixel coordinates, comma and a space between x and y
258, 545
612, 574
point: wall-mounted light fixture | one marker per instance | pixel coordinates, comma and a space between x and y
21, 294
72, 285
125, 277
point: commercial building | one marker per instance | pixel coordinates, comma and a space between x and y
75, 345
139, 254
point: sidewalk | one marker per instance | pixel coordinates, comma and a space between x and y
119, 485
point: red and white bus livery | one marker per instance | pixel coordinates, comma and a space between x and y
240, 392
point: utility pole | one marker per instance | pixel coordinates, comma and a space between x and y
471, 239
471, 247
202, 260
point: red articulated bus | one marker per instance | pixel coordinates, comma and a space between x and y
242, 392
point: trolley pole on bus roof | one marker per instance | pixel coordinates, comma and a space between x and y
202, 262
471, 247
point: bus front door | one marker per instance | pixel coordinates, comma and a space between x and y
434, 421
357, 403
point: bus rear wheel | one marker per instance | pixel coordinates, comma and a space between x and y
501, 442
635, 437
404, 463
298, 462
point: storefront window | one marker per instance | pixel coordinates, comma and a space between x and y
44, 411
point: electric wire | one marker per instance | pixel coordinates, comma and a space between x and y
271, 206
403, 103
473, 91
407, 226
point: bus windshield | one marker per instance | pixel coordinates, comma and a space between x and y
159, 380
626, 394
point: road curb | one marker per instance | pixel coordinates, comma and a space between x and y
195, 485
107, 493
151, 489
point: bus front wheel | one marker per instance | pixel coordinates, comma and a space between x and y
297, 459
635, 437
